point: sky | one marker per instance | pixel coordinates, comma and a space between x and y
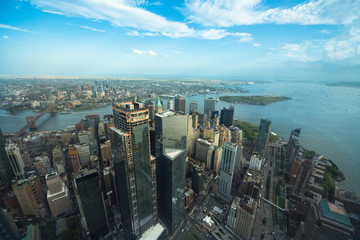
235, 39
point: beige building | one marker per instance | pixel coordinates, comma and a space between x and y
106, 153
30, 195
57, 155
245, 216
212, 134
204, 151
57, 194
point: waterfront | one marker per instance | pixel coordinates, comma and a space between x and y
328, 115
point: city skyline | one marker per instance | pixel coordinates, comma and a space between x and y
230, 39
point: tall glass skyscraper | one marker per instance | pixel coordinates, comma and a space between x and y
170, 142
134, 167
91, 203
226, 116
6, 172
227, 169
262, 140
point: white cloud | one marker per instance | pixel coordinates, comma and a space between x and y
345, 46
52, 12
256, 44
93, 29
157, 3
215, 34
120, 13
324, 31
149, 52
226, 13
133, 33
13, 28
6, 37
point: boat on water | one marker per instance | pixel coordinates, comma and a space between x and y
63, 113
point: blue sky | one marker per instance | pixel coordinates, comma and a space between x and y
242, 39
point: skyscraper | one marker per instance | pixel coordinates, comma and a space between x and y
135, 168
262, 140
57, 194
15, 159
293, 147
193, 107
170, 137
226, 116
209, 105
326, 221
170, 104
8, 228
91, 203
227, 169
180, 104
6, 173
303, 177
158, 107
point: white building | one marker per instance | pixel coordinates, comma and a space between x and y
255, 162
227, 169
16, 161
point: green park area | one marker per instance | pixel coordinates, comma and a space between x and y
254, 100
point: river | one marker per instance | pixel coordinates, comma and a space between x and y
328, 116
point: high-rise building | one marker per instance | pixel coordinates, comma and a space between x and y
245, 217
236, 134
30, 195
170, 104
262, 140
16, 161
57, 155
217, 159
303, 177
180, 104
91, 203
170, 137
135, 168
204, 151
326, 221
255, 161
6, 173
193, 107
158, 107
232, 213
293, 148
209, 105
151, 108
213, 114
57, 195
213, 134
74, 157
197, 179
227, 169
84, 154
226, 116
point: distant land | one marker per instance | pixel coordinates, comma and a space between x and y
254, 100
345, 84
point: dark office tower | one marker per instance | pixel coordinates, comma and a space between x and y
202, 119
135, 168
197, 179
94, 120
151, 108
8, 229
293, 147
226, 116
91, 203
214, 114
209, 105
326, 221
170, 132
193, 107
6, 172
180, 104
262, 140
303, 177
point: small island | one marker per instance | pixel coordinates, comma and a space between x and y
254, 100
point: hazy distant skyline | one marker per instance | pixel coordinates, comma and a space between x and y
316, 39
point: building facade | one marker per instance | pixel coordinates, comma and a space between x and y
180, 104
170, 141
263, 136
135, 168
209, 105
227, 116
227, 169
